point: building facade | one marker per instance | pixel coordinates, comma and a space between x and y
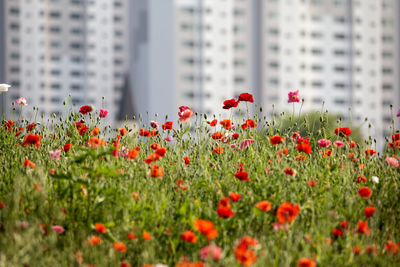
74, 50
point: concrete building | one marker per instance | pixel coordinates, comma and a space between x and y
57, 48
152, 67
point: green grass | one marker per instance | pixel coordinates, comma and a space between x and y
166, 212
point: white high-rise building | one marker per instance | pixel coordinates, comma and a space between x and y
343, 53
57, 48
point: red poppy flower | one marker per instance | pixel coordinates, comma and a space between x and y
356, 250
392, 247
231, 103
94, 240
369, 211
235, 136
167, 125
206, 228
189, 236
216, 135
249, 123
86, 109
125, 264
119, 246
9, 125
28, 163
290, 171
305, 262
187, 160
32, 139
345, 131
218, 150
246, 257
360, 179
225, 212
156, 171
337, 232
276, 139
264, 205
243, 252
362, 228
370, 152
246, 97
287, 212
146, 235
365, 192
242, 176
213, 123
312, 183
303, 145
226, 124
100, 228
344, 224
234, 196
122, 131
161, 151
30, 127
67, 147
131, 236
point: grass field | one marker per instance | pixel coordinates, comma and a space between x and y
194, 192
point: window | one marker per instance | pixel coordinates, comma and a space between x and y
339, 52
75, 16
317, 84
387, 87
55, 72
76, 87
317, 51
339, 68
339, 101
55, 29
339, 36
387, 70
76, 31
339, 85
75, 73
317, 68
55, 14
56, 86
188, 60
239, 79
75, 45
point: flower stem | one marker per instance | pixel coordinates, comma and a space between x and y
2, 108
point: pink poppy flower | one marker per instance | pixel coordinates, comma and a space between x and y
398, 113
58, 229
155, 124
212, 251
103, 113
245, 143
21, 101
55, 155
185, 113
338, 144
324, 143
169, 138
293, 97
392, 161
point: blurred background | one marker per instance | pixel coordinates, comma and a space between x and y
156, 55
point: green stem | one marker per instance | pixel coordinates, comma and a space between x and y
2, 108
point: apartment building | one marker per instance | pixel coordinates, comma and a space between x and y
57, 48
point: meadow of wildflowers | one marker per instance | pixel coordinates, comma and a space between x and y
194, 192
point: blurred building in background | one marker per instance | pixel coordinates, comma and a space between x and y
57, 48
156, 55
338, 53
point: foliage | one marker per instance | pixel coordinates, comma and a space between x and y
111, 184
